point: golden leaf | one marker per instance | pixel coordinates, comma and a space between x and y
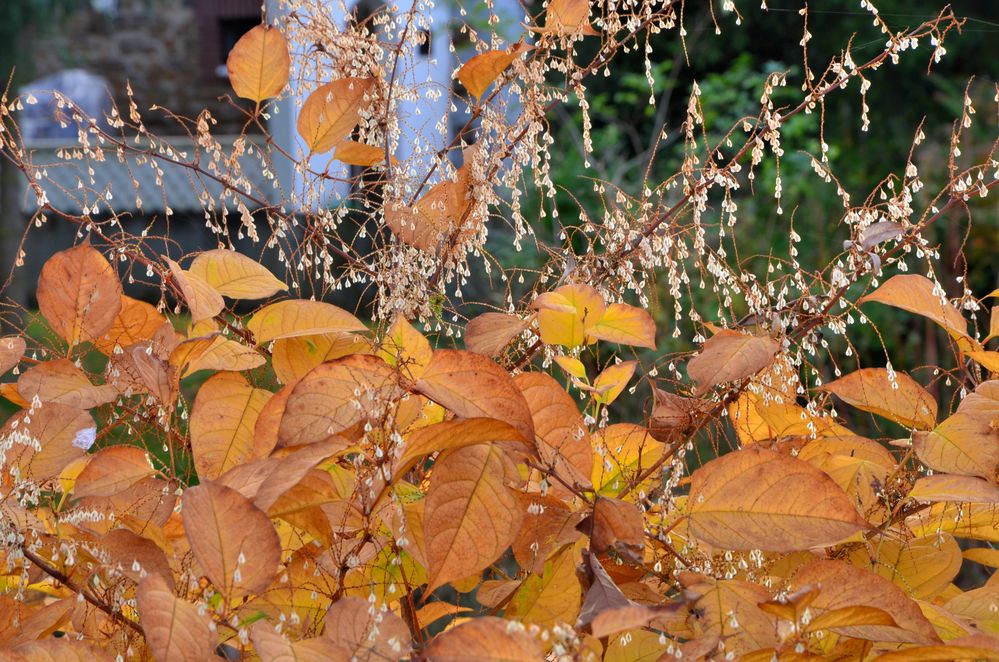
234, 275
222, 424
259, 64
79, 294
331, 112
174, 629
480, 71
202, 300
136, 321
869, 389
298, 317
485, 639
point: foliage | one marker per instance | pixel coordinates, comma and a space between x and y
244, 470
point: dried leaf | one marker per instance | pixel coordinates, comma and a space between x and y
964, 444
915, 294
569, 17
368, 633
259, 64
293, 358
203, 301
471, 515
215, 352
760, 499
879, 233
298, 317
457, 434
11, 352
44, 441
474, 386
137, 321
113, 470
79, 294
491, 333
233, 541
234, 275
331, 112
869, 389
618, 527
175, 631
222, 424
485, 639
960, 489
354, 153
730, 356
271, 646
60, 381
406, 348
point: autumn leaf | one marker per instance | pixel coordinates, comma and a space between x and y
490, 333
760, 499
11, 351
730, 356
481, 70
175, 630
485, 639
112, 470
566, 315
137, 321
45, 440
232, 540
904, 401
331, 112
626, 325
214, 352
428, 223
222, 424
551, 597
272, 646
916, 294
203, 301
963, 444
354, 153
473, 386
458, 433
259, 64
405, 347
293, 358
367, 633
79, 294
618, 527
958, 489
234, 275
60, 381
298, 317
471, 514
569, 17
611, 381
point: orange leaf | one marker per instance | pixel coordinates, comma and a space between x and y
457, 434
367, 634
113, 470
233, 541
490, 333
271, 646
46, 440
474, 386
730, 356
137, 321
11, 352
870, 390
222, 424
760, 499
293, 358
354, 153
915, 294
60, 381
79, 294
571, 17
174, 629
202, 300
259, 64
618, 526
480, 71
214, 352
485, 639
612, 380
331, 112
471, 515
405, 347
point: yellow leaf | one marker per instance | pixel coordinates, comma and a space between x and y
626, 325
456, 434
551, 597
730, 356
760, 499
922, 567
627, 450
234, 275
905, 401
292, 358
569, 17
566, 315
175, 630
215, 352
354, 153
259, 64
79, 294
332, 111
298, 317
988, 360
227, 534
222, 424
964, 444
572, 366
959, 489
471, 515
480, 71
405, 347
612, 380
202, 300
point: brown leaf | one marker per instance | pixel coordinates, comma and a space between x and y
963, 444
485, 639
222, 424
471, 515
272, 646
473, 386
355, 153
331, 112
137, 321
760, 499
46, 440
548, 523
233, 541
235, 275
844, 585
129, 551
213, 352
79, 294
113, 470
602, 595
336, 395
730, 356
368, 633
11, 351
174, 630
259, 64
616, 526
298, 317
870, 390
64, 649
569, 17
480, 71
60, 381
490, 333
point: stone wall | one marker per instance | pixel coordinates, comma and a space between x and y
155, 45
